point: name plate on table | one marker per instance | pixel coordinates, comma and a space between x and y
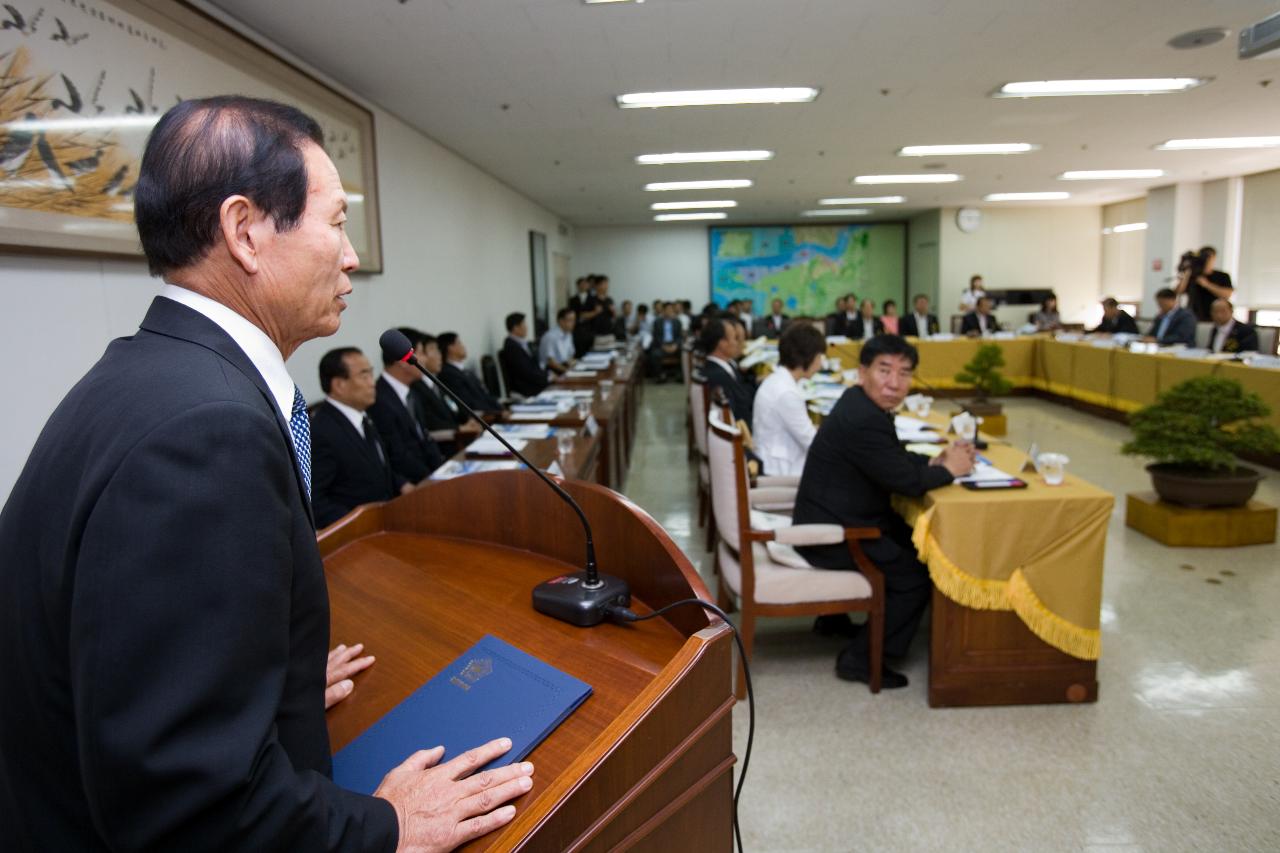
492, 690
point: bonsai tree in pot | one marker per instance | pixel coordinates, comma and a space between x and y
1194, 431
983, 374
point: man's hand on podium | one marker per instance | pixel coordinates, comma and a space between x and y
343, 664
442, 807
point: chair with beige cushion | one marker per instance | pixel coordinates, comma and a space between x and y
699, 405
757, 561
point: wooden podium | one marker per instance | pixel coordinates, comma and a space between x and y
647, 760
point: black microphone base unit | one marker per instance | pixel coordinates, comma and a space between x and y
569, 598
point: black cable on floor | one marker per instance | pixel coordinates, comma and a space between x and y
627, 615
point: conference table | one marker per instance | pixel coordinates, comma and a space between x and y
1103, 377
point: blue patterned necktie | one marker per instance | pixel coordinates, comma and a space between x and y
300, 429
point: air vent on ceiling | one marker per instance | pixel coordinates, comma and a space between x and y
1262, 40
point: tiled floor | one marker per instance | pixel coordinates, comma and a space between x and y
1181, 752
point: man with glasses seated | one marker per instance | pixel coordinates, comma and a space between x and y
854, 467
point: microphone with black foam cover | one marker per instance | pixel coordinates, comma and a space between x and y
582, 598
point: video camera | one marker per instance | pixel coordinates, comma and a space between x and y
1192, 262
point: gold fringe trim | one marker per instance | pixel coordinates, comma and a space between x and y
1083, 643
953, 582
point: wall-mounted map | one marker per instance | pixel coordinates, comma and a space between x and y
82, 82
808, 266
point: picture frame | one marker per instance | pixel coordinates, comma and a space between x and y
82, 82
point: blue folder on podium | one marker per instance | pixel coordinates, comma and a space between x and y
492, 690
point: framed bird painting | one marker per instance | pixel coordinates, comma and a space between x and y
82, 82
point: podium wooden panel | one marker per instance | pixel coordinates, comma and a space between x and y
647, 760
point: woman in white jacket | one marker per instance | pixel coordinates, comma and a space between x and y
781, 422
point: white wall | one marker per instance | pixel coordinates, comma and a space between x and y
455, 256
645, 263
1258, 278
1124, 253
1033, 247
924, 254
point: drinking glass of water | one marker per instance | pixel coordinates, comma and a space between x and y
564, 441
1053, 467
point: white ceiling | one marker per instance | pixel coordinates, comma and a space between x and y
524, 89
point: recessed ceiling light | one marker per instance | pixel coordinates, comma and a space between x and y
703, 157
1122, 229
879, 199
1220, 142
831, 211
1110, 174
980, 148
939, 178
681, 217
732, 184
1133, 86
715, 97
690, 205
1052, 196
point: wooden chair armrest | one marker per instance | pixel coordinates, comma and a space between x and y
776, 480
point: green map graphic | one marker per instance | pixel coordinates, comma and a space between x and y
808, 266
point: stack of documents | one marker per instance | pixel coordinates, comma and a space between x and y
458, 467
528, 432
916, 431
985, 472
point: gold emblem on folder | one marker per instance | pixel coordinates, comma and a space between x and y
476, 669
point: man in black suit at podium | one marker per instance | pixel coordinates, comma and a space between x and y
349, 463
524, 376
164, 645
854, 467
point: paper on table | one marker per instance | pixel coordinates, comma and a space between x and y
760, 356
983, 471
527, 431
487, 445
458, 467
579, 374
538, 415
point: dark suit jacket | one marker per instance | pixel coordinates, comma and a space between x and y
439, 414
907, 325
413, 454
1181, 330
970, 324
838, 323
855, 464
1241, 338
771, 326
677, 332
469, 388
345, 471
739, 389
1122, 324
164, 620
857, 328
521, 369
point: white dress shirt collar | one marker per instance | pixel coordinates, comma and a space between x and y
402, 390
354, 415
729, 368
253, 342
922, 325
1220, 334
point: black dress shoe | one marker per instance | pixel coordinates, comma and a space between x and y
835, 625
889, 679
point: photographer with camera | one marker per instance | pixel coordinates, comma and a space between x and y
1202, 283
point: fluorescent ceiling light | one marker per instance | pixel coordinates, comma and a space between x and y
982, 148
732, 184
715, 97
1052, 196
879, 199
923, 178
680, 217
1122, 229
1110, 174
67, 125
831, 211
1143, 86
1220, 142
691, 205
596, 2
703, 157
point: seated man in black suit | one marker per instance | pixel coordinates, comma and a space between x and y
980, 321
349, 464
1115, 321
721, 340
855, 465
442, 418
919, 323
399, 419
771, 326
461, 381
1229, 334
1174, 324
519, 366
866, 325
667, 337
